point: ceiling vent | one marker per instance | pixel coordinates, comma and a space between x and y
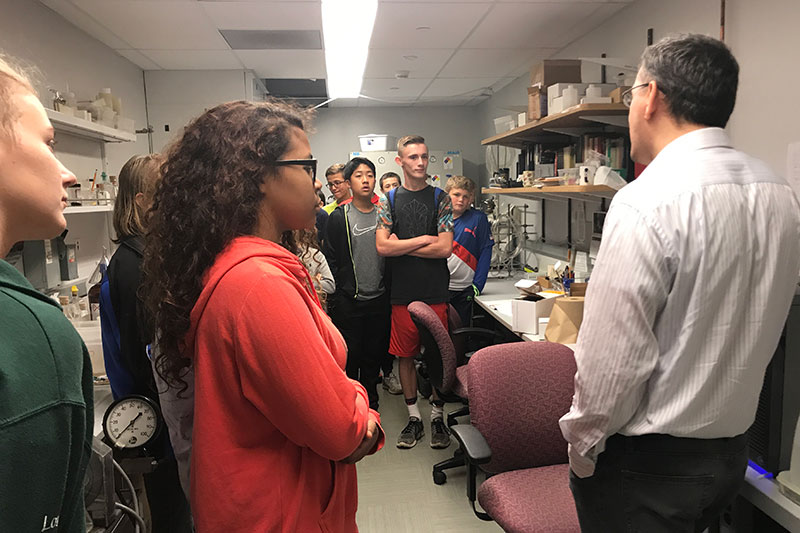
273, 39
305, 92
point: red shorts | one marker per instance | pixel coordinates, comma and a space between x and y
404, 339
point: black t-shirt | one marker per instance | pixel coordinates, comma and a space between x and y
416, 213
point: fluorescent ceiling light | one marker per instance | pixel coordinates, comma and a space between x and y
347, 28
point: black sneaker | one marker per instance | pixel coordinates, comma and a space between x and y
440, 435
411, 433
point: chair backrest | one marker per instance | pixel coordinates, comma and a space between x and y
438, 350
517, 393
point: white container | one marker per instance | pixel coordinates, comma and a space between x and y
557, 89
522, 119
557, 106
596, 100
525, 314
503, 124
594, 91
90, 333
107, 97
570, 96
374, 142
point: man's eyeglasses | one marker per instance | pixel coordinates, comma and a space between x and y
627, 96
309, 165
335, 184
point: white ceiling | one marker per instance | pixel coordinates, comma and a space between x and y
471, 49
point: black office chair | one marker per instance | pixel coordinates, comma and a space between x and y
443, 367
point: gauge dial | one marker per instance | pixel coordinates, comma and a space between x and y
132, 422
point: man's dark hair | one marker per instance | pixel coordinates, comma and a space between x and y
387, 176
353, 164
698, 76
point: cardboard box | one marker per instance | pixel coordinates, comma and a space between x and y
537, 103
552, 71
525, 314
616, 94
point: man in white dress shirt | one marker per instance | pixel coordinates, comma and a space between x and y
693, 281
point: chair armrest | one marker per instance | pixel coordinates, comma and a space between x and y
475, 447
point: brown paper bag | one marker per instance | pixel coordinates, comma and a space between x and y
565, 320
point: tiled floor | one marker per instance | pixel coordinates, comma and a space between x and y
395, 487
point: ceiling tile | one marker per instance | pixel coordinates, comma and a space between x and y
284, 63
194, 59
495, 63
156, 25
430, 102
396, 24
390, 88
139, 59
264, 15
85, 22
465, 87
384, 63
398, 102
535, 25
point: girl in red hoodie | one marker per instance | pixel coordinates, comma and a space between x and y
277, 424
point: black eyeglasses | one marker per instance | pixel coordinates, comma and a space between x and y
627, 96
310, 165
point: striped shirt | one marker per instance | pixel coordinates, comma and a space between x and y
693, 281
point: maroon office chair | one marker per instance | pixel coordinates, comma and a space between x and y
443, 357
517, 394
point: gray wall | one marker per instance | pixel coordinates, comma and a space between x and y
444, 128
63, 55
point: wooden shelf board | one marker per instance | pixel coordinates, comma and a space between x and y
563, 192
579, 116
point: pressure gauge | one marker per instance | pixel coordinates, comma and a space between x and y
132, 422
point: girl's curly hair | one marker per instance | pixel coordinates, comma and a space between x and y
208, 195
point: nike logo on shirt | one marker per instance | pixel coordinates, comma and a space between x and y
358, 232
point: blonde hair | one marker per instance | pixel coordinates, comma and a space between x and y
139, 175
461, 182
334, 169
12, 79
409, 139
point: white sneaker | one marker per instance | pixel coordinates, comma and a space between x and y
391, 384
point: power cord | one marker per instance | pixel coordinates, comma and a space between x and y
140, 526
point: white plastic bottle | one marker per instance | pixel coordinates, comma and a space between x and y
570, 96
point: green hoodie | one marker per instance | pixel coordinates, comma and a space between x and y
46, 412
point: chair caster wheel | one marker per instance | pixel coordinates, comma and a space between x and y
439, 478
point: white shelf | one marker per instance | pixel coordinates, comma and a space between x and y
76, 209
89, 130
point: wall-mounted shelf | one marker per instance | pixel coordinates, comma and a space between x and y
89, 130
580, 116
77, 209
563, 192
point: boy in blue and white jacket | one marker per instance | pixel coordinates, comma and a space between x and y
472, 247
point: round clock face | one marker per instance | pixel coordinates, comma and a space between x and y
131, 422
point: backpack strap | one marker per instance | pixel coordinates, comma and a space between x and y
390, 197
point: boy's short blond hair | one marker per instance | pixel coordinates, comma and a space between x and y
12, 80
460, 182
409, 139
